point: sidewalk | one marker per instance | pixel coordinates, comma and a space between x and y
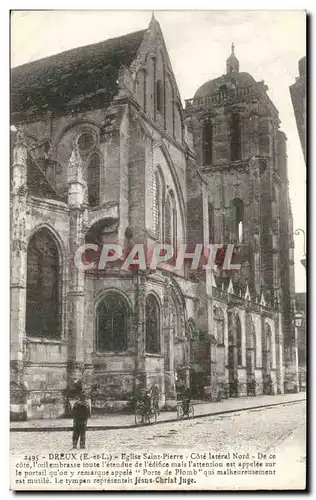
116, 421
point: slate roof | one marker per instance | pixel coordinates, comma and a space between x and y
81, 78
38, 184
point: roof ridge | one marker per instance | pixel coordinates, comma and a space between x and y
74, 49
51, 82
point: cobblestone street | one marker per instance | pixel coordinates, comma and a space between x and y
262, 429
278, 432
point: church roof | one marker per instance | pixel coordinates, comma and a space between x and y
82, 77
38, 184
231, 80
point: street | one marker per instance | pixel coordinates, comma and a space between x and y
266, 429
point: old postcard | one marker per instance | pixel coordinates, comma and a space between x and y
158, 333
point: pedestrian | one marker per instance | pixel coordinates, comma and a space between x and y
154, 392
80, 414
147, 401
270, 384
252, 387
186, 400
234, 387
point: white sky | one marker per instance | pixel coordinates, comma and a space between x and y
268, 46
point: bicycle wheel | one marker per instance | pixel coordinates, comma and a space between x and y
179, 411
191, 411
138, 417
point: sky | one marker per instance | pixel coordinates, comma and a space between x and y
268, 45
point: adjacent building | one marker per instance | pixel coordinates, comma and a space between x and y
298, 96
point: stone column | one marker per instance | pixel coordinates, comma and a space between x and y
18, 270
170, 380
77, 191
250, 355
232, 346
140, 316
265, 358
279, 352
255, 224
212, 332
291, 355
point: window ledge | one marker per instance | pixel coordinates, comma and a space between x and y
44, 340
153, 355
100, 354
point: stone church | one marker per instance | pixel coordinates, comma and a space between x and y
103, 151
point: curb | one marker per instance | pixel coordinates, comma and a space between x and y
133, 426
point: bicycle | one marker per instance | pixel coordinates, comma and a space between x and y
145, 416
181, 413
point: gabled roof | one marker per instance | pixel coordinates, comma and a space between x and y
38, 184
85, 77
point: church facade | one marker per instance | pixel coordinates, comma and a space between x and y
103, 152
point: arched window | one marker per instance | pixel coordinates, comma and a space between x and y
112, 318
168, 220
86, 142
159, 96
169, 98
178, 132
170, 224
158, 189
219, 325
235, 137
43, 318
211, 222
238, 341
152, 325
223, 88
93, 179
207, 143
237, 220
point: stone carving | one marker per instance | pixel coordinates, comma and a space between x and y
75, 169
17, 137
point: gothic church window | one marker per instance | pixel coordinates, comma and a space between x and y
211, 222
168, 219
207, 143
152, 325
219, 325
85, 142
178, 132
43, 286
93, 180
235, 137
237, 220
159, 96
170, 225
112, 318
158, 188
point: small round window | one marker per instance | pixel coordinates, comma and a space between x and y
85, 142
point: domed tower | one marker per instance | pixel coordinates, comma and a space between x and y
242, 153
